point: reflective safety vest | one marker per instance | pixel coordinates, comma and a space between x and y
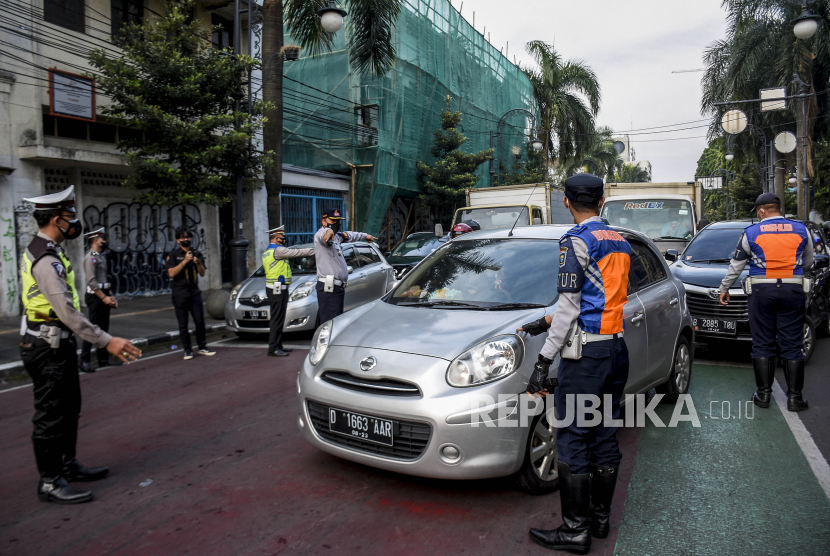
274, 267
777, 246
605, 285
36, 305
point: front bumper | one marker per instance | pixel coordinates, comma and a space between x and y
702, 304
300, 316
440, 416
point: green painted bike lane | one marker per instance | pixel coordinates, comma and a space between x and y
731, 486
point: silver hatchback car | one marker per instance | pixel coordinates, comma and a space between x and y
247, 310
397, 383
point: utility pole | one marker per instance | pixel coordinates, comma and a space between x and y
804, 186
239, 245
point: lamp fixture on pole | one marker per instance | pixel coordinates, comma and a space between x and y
537, 143
805, 25
331, 17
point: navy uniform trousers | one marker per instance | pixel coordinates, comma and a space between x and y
777, 310
602, 370
278, 304
330, 303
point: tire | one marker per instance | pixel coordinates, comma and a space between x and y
680, 375
529, 478
809, 339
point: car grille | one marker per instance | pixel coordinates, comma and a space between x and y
411, 438
250, 323
263, 301
383, 387
701, 305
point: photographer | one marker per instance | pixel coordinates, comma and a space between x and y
183, 265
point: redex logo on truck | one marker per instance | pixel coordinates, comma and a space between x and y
648, 205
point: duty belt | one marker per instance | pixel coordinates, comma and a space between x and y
45, 330
105, 286
336, 281
588, 337
803, 281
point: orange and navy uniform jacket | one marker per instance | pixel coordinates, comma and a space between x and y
777, 247
604, 283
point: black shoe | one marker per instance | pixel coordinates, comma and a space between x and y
794, 373
764, 368
573, 535
58, 490
278, 353
75, 471
286, 350
85, 368
603, 484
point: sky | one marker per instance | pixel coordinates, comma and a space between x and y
633, 46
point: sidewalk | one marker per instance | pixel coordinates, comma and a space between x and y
137, 317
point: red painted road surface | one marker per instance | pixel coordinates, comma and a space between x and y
217, 436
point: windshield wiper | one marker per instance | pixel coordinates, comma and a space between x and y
511, 306
710, 261
668, 237
441, 303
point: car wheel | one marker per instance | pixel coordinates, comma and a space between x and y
809, 339
681, 373
539, 473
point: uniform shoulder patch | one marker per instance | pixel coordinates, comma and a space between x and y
563, 255
59, 269
94, 260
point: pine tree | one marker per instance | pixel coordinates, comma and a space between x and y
453, 171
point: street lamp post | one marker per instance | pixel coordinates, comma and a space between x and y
494, 162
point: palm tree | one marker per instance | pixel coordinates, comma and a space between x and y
371, 51
602, 159
631, 173
568, 95
760, 51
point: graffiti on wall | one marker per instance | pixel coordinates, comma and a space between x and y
140, 236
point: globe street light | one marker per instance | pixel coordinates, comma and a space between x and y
537, 144
331, 17
805, 25
729, 156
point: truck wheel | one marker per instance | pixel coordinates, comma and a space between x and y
680, 375
539, 473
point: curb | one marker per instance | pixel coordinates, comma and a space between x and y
9, 369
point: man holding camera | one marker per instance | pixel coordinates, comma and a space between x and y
185, 265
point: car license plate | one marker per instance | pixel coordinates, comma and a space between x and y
715, 325
255, 315
360, 426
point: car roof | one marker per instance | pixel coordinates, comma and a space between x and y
731, 224
542, 231
647, 197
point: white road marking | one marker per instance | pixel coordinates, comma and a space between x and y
253, 346
805, 440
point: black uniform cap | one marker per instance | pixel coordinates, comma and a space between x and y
584, 188
767, 199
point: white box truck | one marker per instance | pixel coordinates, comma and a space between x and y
501, 207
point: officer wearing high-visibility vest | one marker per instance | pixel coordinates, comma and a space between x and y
778, 251
277, 282
48, 349
99, 298
594, 261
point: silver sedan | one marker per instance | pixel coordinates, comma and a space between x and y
398, 383
247, 310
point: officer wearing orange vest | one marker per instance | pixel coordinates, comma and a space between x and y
777, 250
594, 261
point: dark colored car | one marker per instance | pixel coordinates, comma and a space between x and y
702, 266
411, 250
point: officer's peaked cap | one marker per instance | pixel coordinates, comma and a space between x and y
280, 230
98, 232
584, 188
333, 213
61, 200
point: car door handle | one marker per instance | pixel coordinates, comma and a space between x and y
363, 276
673, 301
637, 317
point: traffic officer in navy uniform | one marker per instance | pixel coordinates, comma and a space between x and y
332, 270
277, 282
594, 261
48, 349
778, 251
99, 298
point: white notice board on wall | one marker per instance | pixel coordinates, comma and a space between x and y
71, 95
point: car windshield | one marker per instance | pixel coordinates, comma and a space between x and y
492, 218
713, 245
418, 246
658, 219
300, 265
483, 273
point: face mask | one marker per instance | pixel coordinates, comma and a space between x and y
73, 229
103, 246
335, 226
185, 243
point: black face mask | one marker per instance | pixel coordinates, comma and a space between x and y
103, 246
335, 226
185, 243
73, 230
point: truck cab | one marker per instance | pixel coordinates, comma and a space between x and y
490, 217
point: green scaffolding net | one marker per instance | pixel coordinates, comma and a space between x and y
377, 128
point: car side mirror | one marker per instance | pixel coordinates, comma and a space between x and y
388, 253
702, 223
350, 268
671, 254
537, 221
822, 261
439, 230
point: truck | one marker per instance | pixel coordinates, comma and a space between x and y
525, 204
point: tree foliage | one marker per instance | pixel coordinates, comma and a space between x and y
177, 92
601, 159
531, 168
453, 171
631, 173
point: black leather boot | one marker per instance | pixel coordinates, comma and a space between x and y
764, 368
794, 373
572, 535
58, 490
73, 470
603, 483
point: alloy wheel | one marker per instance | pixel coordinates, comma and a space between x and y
808, 340
682, 368
544, 457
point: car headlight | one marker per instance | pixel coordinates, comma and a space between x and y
235, 291
320, 343
488, 361
302, 291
